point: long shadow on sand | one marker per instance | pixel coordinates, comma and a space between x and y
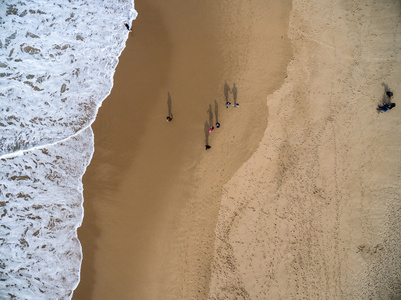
385, 98
206, 130
216, 111
210, 112
235, 93
227, 90
170, 115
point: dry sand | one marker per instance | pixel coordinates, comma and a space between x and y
315, 212
152, 192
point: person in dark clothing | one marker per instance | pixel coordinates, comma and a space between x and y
127, 26
386, 107
207, 147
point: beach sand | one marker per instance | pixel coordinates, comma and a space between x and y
315, 212
298, 197
152, 193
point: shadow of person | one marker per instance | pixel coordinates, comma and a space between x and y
226, 91
210, 112
234, 91
170, 115
385, 98
206, 129
387, 94
216, 111
386, 88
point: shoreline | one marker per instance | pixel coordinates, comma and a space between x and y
152, 193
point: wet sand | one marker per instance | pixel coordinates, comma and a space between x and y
152, 192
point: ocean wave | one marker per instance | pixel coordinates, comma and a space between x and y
58, 63
58, 67
41, 208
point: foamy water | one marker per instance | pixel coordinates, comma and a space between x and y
57, 61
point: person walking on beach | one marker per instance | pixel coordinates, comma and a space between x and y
127, 26
228, 104
211, 128
207, 147
236, 105
217, 125
169, 115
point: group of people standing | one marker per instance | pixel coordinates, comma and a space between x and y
228, 104
210, 127
227, 90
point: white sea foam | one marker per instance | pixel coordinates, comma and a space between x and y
57, 66
57, 61
41, 207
